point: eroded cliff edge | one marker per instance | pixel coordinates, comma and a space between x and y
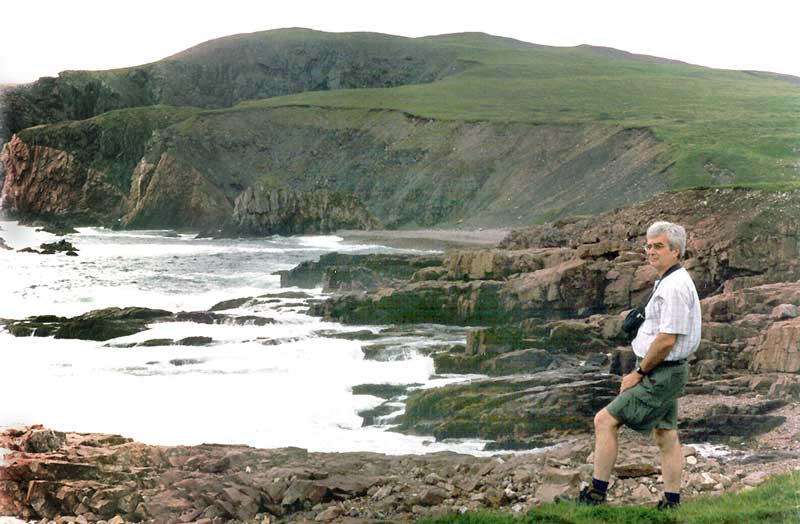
406, 171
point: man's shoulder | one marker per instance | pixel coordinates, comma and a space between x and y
679, 281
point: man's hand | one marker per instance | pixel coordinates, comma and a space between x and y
630, 380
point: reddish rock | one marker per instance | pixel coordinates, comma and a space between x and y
779, 348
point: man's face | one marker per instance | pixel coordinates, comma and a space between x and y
659, 254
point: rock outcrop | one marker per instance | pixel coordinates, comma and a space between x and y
406, 171
588, 266
101, 324
46, 182
343, 272
89, 478
264, 211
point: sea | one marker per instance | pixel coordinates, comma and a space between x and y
289, 383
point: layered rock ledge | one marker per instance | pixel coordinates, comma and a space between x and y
79, 477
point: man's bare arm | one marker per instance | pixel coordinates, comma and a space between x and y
658, 351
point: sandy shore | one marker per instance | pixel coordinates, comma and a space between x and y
440, 239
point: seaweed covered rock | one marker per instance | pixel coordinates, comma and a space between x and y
525, 406
102, 324
336, 271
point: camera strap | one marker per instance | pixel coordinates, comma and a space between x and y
671, 270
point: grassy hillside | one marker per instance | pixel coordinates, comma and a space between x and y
775, 502
725, 126
483, 130
221, 72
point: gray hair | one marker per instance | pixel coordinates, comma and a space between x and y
676, 235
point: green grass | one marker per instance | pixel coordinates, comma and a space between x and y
775, 502
727, 127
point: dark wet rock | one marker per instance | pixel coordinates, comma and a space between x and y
185, 361
287, 294
155, 342
200, 317
276, 341
102, 324
249, 320
230, 304
291, 305
28, 250
61, 245
58, 228
195, 341
460, 303
520, 405
340, 270
363, 334
209, 317
5, 246
385, 391
371, 416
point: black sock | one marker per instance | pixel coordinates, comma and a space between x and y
675, 498
600, 485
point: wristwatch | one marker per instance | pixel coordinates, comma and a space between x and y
640, 371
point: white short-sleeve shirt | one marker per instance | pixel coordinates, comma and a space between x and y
674, 309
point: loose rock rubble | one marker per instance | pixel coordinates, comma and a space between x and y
49, 476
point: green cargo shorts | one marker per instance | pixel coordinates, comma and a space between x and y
653, 402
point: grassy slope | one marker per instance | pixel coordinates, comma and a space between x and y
775, 502
726, 126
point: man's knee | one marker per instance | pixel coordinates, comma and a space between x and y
604, 420
666, 438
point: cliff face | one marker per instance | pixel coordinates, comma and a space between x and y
170, 193
46, 182
261, 211
413, 172
407, 171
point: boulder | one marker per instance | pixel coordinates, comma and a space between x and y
779, 348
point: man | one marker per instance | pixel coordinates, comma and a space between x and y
648, 396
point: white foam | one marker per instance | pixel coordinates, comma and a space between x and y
280, 384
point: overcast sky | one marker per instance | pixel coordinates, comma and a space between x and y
42, 37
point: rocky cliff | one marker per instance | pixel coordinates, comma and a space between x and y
263, 211
407, 171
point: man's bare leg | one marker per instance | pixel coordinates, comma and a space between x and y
671, 458
605, 444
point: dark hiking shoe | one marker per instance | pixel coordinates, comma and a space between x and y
664, 504
591, 497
